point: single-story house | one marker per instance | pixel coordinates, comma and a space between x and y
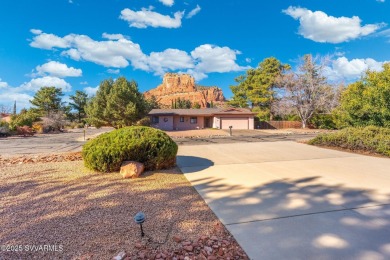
187, 119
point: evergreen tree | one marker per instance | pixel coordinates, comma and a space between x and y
79, 102
258, 87
47, 100
117, 103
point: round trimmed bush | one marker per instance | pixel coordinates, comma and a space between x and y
150, 146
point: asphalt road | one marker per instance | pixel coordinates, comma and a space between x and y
72, 141
47, 143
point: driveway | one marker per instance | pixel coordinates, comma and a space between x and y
285, 200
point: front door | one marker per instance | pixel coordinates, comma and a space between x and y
207, 122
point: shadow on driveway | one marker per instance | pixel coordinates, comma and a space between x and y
193, 163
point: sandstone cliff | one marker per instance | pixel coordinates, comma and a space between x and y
175, 86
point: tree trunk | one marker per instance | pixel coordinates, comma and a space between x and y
304, 123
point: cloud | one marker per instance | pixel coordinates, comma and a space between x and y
380, 1
117, 36
57, 69
91, 91
47, 41
193, 12
47, 81
168, 60
320, 27
147, 18
167, 2
211, 58
349, 70
112, 71
121, 52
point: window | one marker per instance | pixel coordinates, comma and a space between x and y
193, 120
182, 119
155, 120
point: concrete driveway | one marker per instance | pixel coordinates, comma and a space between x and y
285, 200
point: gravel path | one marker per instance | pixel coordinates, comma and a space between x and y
89, 215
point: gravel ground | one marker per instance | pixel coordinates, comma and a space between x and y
89, 215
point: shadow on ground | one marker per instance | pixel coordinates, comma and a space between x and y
302, 219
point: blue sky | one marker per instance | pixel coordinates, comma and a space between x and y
75, 44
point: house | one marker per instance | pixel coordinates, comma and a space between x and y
5, 117
187, 119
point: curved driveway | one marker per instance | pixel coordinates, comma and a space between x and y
285, 200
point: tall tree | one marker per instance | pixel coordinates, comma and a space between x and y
79, 102
258, 87
14, 112
48, 100
307, 90
117, 103
366, 102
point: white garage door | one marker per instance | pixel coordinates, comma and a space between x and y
237, 123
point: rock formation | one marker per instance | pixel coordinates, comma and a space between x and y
182, 86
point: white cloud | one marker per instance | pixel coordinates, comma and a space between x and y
121, 52
167, 2
35, 31
117, 36
47, 41
380, 1
112, 71
84, 83
193, 12
47, 81
212, 58
320, 27
111, 53
169, 60
147, 18
349, 70
91, 91
249, 60
57, 69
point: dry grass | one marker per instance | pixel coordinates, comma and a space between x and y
91, 214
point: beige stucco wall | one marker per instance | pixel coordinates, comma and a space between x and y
186, 125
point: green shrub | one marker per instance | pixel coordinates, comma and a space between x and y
25, 118
150, 146
323, 121
371, 139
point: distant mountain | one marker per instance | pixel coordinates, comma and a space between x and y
182, 86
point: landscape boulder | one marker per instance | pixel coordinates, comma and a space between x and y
131, 169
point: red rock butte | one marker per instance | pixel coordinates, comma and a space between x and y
182, 86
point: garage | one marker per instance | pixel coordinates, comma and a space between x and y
237, 122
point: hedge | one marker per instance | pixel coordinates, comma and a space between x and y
372, 139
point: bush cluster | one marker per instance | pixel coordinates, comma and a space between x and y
371, 139
150, 146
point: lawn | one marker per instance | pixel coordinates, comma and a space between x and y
90, 215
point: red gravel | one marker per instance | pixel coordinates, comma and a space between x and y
90, 215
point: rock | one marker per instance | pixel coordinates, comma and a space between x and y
130, 169
177, 239
188, 248
209, 250
211, 257
214, 238
175, 86
120, 256
221, 252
